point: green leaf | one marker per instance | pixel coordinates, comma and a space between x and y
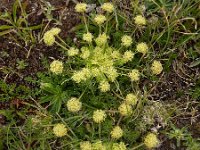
5, 32
4, 27
45, 99
15, 6
32, 27
195, 63
20, 21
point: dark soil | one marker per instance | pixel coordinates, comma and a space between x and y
19, 51
10, 51
175, 87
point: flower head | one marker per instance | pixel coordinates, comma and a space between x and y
88, 37
108, 7
111, 73
100, 19
49, 38
126, 40
116, 133
99, 116
104, 86
151, 141
119, 146
98, 146
95, 72
125, 109
74, 105
73, 51
81, 75
60, 130
156, 67
56, 67
134, 75
115, 54
101, 39
78, 76
142, 48
131, 99
81, 7
86, 145
55, 31
85, 53
86, 72
140, 20
128, 56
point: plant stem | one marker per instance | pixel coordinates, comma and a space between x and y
137, 146
63, 41
99, 131
85, 22
61, 45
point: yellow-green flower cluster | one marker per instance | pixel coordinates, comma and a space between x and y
104, 86
81, 75
81, 7
101, 61
99, 116
125, 109
140, 20
142, 48
72, 51
55, 31
151, 141
116, 54
74, 105
156, 67
126, 40
108, 7
134, 75
86, 145
98, 145
116, 133
88, 37
102, 66
119, 146
131, 99
128, 56
60, 130
85, 53
56, 67
49, 36
101, 39
100, 19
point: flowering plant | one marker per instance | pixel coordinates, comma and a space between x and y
101, 66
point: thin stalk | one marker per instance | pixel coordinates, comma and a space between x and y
99, 130
99, 29
85, 22
42, 32
63, 41
137, 146
67, 126
119, 120
61, 45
